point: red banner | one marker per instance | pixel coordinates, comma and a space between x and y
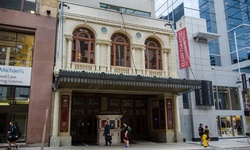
183, 49
64, 113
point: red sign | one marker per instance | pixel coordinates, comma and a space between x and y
64, 113
169, 113
183, 49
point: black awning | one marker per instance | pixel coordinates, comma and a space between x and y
107, 81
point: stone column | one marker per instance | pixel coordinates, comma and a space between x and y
69, 52
97, 56
179, 136
165, 60
55, 139
133, 60
108, 57
143, 60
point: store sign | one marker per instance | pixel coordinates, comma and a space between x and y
13, 75
204, 95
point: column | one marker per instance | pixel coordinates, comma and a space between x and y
97, 56
143, 60
55, 139
177, 128
108, 57
69, 52
165, 57
133, 60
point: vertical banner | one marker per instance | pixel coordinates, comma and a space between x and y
204, 95
183, 49
64, 113
169, 113
244, 81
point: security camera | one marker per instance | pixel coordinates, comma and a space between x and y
168, 23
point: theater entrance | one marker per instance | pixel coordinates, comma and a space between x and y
85, 107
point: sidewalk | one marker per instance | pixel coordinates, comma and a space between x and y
229, 144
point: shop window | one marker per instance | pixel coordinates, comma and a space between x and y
229, 126
238, 126
223, 98
16, 49
14, 95
234, 98
83, 46
153, 58
120, 51
20, 5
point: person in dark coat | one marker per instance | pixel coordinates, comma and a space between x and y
107, 134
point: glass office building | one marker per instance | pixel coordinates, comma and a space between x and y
228, 62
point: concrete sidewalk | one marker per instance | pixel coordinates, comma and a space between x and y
229, 144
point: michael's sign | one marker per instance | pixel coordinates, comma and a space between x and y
12, 75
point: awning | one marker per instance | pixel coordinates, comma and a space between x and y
107, 81
204, 37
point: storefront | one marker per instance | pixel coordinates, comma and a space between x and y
26, 66
16, 53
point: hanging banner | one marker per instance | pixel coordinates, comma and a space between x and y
64, 113
183, 49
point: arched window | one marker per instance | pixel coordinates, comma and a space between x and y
153, 58
120, 51
83, 46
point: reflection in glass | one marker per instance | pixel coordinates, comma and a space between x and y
223, 98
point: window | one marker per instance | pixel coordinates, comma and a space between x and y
229, 126
14, 95
16, 49
21, 5
83, 46
120, 51
153, 58
185, 101
226, 98
125, 10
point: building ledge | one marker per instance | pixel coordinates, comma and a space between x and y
204, 37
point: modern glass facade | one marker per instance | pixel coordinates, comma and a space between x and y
238, 26
225, 18
207, 12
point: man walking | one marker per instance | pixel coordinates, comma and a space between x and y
201, 132
126, 132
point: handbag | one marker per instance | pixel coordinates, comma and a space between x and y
109, 137
12, 137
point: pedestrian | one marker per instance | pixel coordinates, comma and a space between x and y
201, 132
207, 132
12, 136
126, 133
107, 135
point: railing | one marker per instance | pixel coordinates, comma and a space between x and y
116, 69
82, 66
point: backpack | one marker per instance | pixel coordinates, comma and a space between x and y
129, 129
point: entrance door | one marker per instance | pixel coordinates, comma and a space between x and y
83, 128
85, 107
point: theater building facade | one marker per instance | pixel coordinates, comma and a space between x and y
112, 63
